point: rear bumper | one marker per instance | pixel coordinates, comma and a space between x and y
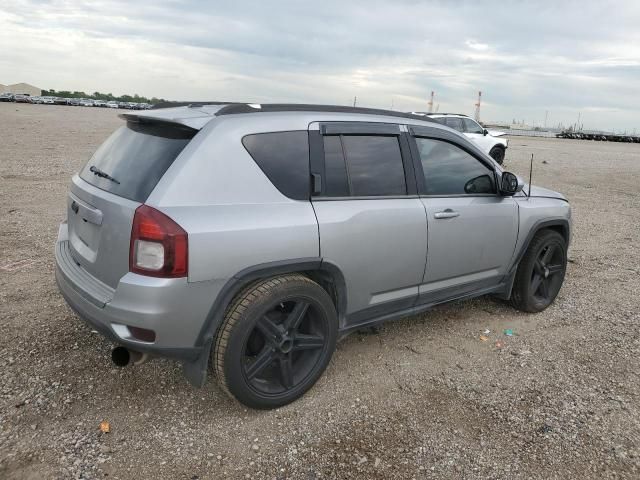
101, 321
173, 308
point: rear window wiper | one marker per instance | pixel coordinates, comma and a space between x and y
96, 171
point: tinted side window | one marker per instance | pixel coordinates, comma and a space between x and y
449, 170
472, 127
336, 183
284, 159
374, 165
455, 123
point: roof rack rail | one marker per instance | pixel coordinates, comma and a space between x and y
237, 108
448, 113
189, 104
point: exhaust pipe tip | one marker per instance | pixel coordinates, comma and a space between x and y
120, 356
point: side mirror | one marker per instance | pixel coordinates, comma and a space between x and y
485, 132
481, 184
510, 184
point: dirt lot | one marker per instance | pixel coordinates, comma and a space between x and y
423, 398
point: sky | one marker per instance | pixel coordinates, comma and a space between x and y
531, 60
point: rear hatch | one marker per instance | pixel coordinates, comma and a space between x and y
116, 180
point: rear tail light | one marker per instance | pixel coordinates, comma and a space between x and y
159, 246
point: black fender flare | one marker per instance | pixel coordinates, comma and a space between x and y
510, 277
316, 268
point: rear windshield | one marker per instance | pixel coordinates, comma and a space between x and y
131, 162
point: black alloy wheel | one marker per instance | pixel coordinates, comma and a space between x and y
498, 154
547, 274
284, 346
276, 340
540, 273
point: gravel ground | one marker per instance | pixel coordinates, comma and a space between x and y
424, 397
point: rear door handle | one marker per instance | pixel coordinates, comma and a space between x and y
448, 213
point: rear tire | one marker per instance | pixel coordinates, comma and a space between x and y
275, 341
540, 273
497, 153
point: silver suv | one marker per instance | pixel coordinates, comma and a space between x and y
257, 235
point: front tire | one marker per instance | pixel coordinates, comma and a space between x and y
275, 341
497, 153
540, 273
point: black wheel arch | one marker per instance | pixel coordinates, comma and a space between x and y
560, 225
326, 274
501, 147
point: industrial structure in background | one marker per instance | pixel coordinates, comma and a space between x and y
575, 131
430, 109
476, 115
430, 106
21, 89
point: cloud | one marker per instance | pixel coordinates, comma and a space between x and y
526, 58
473, 45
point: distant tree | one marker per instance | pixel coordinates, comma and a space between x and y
101, 96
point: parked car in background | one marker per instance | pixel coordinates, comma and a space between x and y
99, 103
86, 102
112, 104
60, 100
6, 97
36, 99
313, 222
73, 102
488, 141
22, 98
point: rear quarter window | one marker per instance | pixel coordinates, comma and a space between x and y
284, 159
136, 157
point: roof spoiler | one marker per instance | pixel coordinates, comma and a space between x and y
141, 119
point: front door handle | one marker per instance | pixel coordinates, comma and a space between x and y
448, 213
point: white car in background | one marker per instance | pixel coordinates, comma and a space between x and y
86, 102
488, 141
112, 104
